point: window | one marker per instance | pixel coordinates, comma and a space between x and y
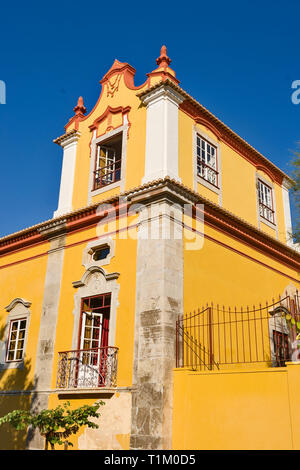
108, 162
207, 161
94, 322
16, 340
93, 354
265, 199
281, 347
101, 253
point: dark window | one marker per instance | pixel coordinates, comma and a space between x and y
101, 253
281, 347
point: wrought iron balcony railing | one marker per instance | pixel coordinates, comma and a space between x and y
107, 175
87, 368
207, 173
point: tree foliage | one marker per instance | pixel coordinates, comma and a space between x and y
296, 194
55, 425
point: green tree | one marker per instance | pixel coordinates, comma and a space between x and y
55, 425
296, 194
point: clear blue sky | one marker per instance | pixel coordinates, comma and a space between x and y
237, 58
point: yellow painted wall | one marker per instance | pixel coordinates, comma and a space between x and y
252, 409
227, 272
238, 179
25, 279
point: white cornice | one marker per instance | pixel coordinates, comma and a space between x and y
164, 91
68, 138
286, 184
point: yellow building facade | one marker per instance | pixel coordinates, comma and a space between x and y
166, 221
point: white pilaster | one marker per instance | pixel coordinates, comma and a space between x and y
162, 133
287, 211
69, 145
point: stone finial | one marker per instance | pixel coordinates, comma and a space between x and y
163, 60
80, 108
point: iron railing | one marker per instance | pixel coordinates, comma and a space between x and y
215, 336
87, 368
266, 212
207, 173
107, 175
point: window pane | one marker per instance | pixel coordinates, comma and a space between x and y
10, 356
12, 345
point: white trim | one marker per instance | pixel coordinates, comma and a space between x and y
94, 245
197, 178
162, 129
18, 309
262, 220
95, 141
287, 212
67, 174
96, 281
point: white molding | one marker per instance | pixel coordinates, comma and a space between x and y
161, 154
261, 220
16, 301
198, 179
94, 245
69, 144
96, 281
95, 141
287, 212
18, 308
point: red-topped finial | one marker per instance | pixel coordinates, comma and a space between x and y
80, 108
163, 60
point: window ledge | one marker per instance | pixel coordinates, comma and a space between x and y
266, 222
11, 365
95, 192
91, 391
208, 185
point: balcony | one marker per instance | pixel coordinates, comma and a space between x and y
207, 173
107, 174
87, 369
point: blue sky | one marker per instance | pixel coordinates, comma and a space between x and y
238, 59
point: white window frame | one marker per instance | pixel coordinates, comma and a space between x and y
265, 199
16, 341
96, 281
109, 166
18, 310
95, 143
261, 219
198, 133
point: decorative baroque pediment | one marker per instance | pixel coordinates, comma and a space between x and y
95, 278
108, 115
17, 301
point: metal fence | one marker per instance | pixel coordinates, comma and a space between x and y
87, 368
215, 336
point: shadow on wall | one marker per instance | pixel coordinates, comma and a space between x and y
19, 384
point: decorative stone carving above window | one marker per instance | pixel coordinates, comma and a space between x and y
98, 252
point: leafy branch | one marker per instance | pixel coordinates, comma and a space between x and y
55, 425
